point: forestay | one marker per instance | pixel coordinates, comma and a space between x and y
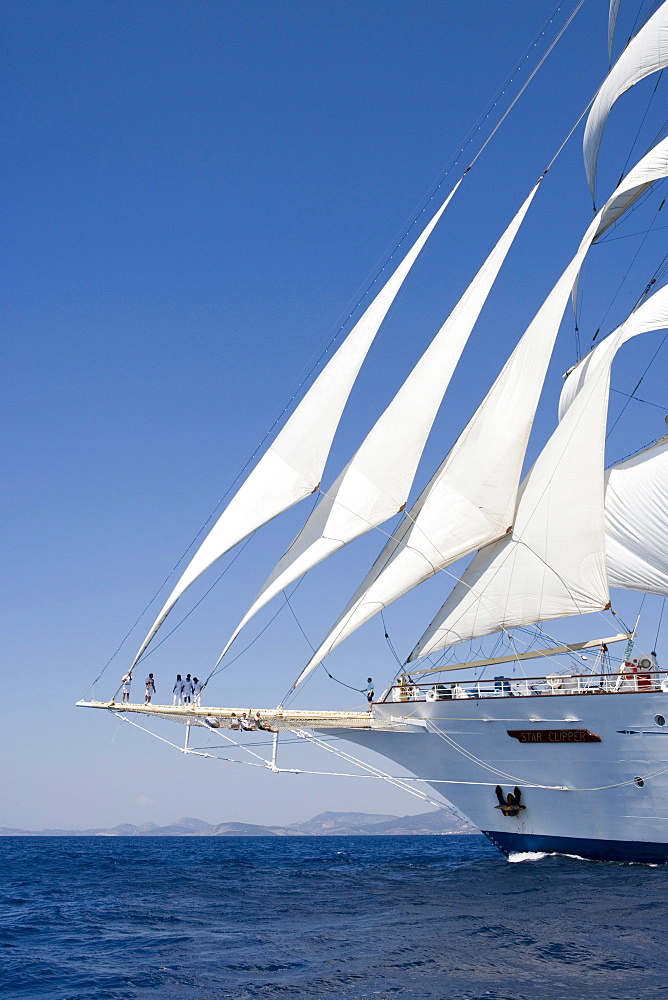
553, 565
636, 501
291, 469
645, 54
372, 489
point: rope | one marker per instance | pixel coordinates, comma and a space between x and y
658, 628
389, 641
628, 271
637, 399
374, 772
649, 365
524, 87
532, 784
642, 122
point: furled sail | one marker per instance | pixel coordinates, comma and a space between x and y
636, 501
372, 489
553, 565
292, 467
645, 54
458, 512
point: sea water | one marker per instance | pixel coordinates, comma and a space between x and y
201, 918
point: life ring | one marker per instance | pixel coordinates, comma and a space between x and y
431, 694
664, 685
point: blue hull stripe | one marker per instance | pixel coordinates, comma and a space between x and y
595, 850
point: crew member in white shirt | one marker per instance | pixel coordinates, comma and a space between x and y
150, 689
178, 691
126, 681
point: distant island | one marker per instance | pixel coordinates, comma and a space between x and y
328, 824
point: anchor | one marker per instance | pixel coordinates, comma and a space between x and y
510, 806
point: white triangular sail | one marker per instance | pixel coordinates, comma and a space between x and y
636, 518
553, 565
375, 484
292, 467
645, 54
456, 508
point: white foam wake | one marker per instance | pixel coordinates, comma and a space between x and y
527, 856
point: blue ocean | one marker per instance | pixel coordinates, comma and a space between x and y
201, 918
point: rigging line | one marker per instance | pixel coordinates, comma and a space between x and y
267, 743
658, 628
628, 271
477, 127
519, 781
399, 782
389, 641
361, 297
642, 122
149, 652
637, 399
472, 757
628, 236
131, 722
438, 183
178, 625
524, 87
373, 771
298, 623
331, 676
219, 667
637, 451
649, 365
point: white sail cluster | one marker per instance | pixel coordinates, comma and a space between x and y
548, 549
372, 488
471, 500
553, 565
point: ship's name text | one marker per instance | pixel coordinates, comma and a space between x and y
553, 735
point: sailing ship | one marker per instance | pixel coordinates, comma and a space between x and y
571, 757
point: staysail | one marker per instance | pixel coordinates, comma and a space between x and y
372, 489
636, 501
291, 468
645, 54
459, 511
553, 565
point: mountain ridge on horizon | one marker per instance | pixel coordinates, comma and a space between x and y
337, 824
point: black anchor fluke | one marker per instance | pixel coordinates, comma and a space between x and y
510, 805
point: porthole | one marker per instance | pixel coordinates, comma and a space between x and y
639, 782
660, 720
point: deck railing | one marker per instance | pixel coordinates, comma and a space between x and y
627, 680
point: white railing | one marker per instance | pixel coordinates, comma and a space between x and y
627, 680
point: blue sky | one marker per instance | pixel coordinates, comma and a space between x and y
197, 193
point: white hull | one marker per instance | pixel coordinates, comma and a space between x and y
592, 806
